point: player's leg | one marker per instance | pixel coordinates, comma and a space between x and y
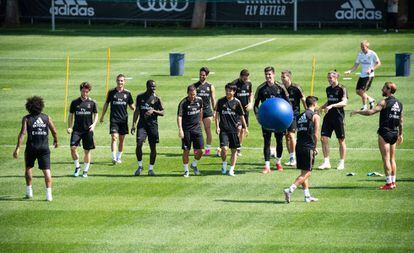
267, 135
326, 134
393, 165
28, 177
120, 148
88, 144
74, 143
114, 140
198, 145
384, 148
86, 162
340, 134
279, 150
233, 161
153, 157
48, 182
224, 142
209, 137
234, 143
141, 137
186, 145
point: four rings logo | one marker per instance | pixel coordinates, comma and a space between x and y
72, 8
358, 9
162, 5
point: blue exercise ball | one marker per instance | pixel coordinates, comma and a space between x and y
275, 114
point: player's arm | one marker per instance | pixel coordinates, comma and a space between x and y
159, 109
213, 97
20, 138
256, 102
95, 121
400, 130
302, 98
356, 64
244, 124
135, 117
105, 107
180, 120
217, 119
343, 103
249, 106
372, 111
53, 131
316, 122
70, 123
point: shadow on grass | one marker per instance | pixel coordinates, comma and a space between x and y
251, 201
408, 180
12, 198
344, 187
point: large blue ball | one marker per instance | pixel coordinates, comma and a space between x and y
275, 114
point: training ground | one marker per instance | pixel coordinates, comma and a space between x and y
112, 211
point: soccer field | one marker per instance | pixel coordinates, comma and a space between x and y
113, 211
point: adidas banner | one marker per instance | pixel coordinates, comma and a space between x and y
272, 11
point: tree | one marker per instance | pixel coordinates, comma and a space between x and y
199, 14
12, 13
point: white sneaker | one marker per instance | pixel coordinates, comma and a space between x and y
223, 171
29, 195
76, 173
340, 166
85, 174
114, 161
186, 174
231, 173
118, 161
49, 197
288, 194
324, 166
292, 162
311, 199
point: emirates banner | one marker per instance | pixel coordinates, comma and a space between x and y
274, 11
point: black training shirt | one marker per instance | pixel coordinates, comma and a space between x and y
83, 111
119, 102
230, 112
190, 113
145, 102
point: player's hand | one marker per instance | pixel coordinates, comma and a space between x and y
55, 144
149, 112
400, 140
92, 128
69, 130
347, 72
217, 130
16, 153
354, 112
133, 130
101, 120
247, 131
315, 152
328, 108
181, 134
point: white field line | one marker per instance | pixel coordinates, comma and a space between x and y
244, 147
240, 49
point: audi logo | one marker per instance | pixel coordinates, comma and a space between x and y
162, 5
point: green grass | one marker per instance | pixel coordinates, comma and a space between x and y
113, 211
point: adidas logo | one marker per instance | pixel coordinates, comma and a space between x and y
302, 119
72, 8
39, 123
358, 10
395, 107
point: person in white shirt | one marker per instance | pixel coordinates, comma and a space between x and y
369, 62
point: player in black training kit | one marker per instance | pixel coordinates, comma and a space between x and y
270, 89
85, 112
148, 107
308, 129
37, 126
119, 98
295, 97
229, 113
244, 93
334, 120
207, 92
189, 118
390, 131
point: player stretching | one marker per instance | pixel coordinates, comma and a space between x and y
390, 130
308, 129
207, 92
119, 98
85, 112
189, 118
229, 111
36, 125
148, 108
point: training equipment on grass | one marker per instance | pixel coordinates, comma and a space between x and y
275, 114
66, 87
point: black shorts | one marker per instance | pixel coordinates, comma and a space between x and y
292, 128
389, 136
364, 83
230, 140
207, 113
151, 132
42, 156
88, 142
305, 158
194, 137
331, 124
120, 128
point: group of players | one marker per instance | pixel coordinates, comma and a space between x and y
231, 117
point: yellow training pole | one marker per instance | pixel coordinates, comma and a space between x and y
313, 74
66, 88
108, 65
